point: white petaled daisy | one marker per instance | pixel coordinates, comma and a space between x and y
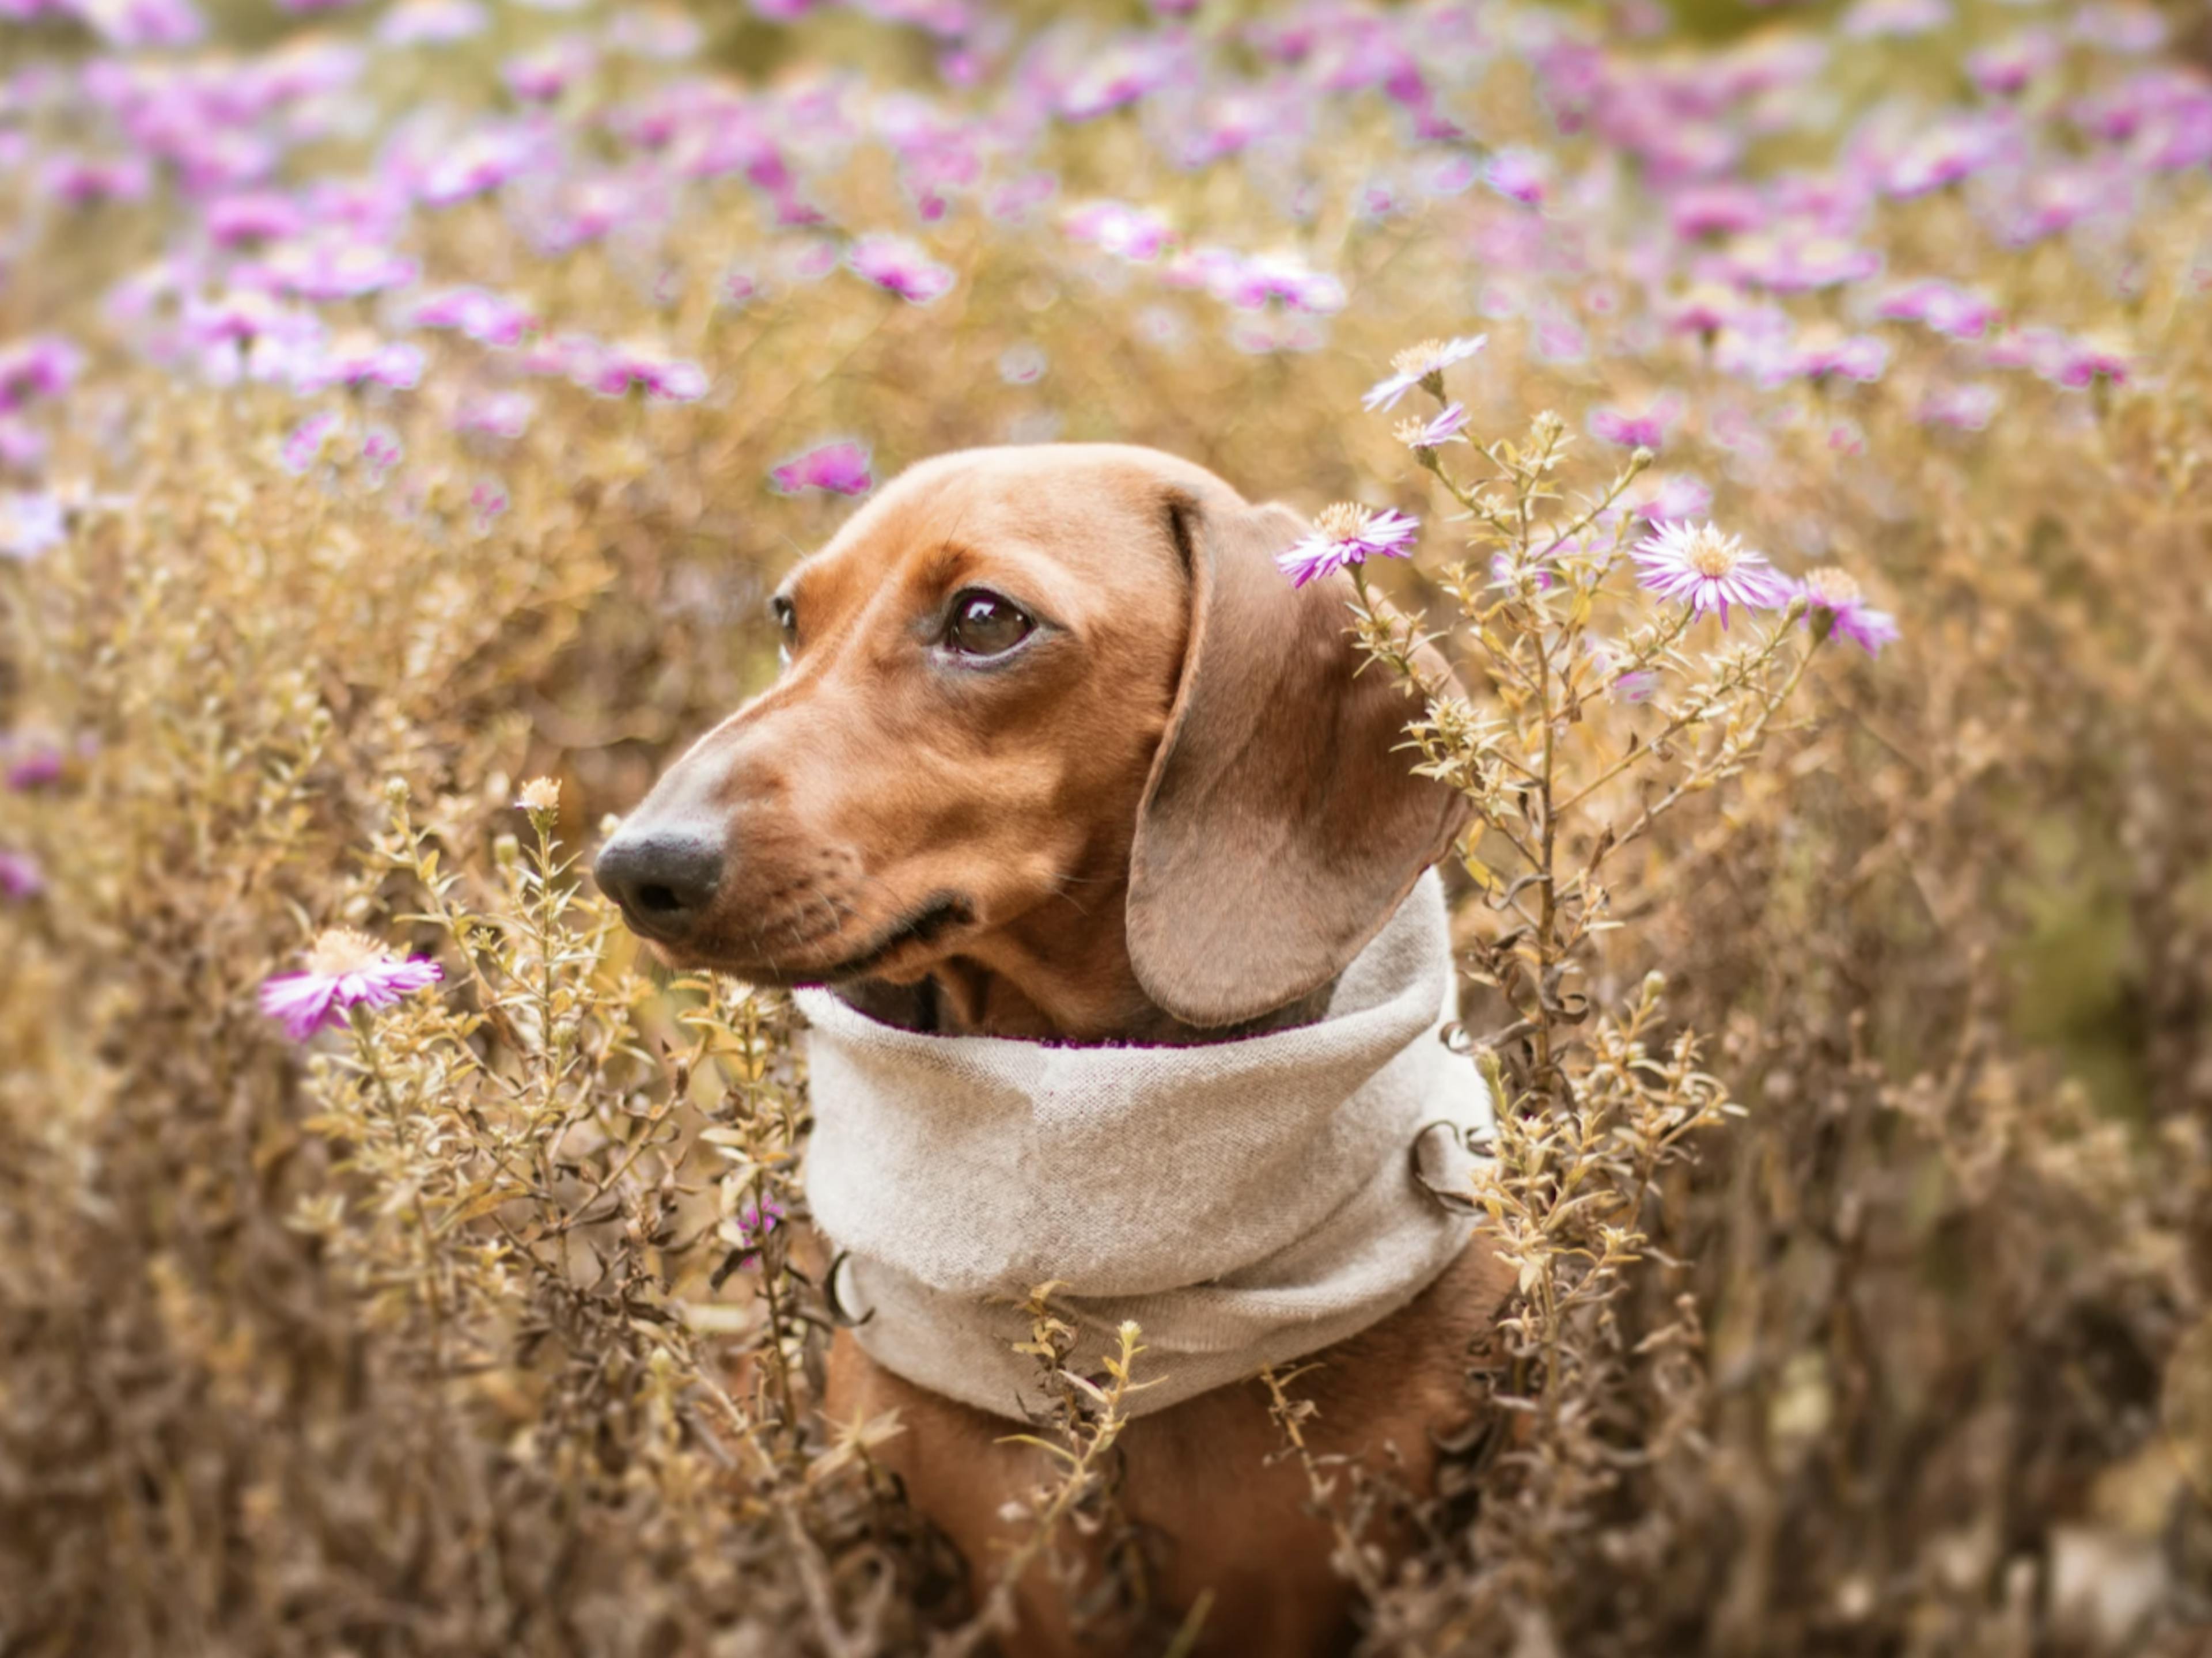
1346, 534
1709, 570
1415, 364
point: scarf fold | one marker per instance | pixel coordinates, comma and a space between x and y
1247, 1202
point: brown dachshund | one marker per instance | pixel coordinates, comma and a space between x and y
1058, 753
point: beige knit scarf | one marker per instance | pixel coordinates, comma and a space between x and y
1247, 1202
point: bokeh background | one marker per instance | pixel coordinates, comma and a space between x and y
400, 400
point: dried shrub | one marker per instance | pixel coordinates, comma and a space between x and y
385, 424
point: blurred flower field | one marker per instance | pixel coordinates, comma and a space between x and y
406, 409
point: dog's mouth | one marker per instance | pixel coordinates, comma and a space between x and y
937, 916
924, 924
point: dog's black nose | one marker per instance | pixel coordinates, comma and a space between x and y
664, 879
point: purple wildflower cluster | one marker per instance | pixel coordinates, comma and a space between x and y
1707, 570
313, 282
1672, 211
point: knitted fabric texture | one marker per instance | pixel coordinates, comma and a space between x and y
1247, 1202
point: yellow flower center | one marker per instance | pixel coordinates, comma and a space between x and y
339, 951
1419, 359
1712, 554
1342, 522
1833, 587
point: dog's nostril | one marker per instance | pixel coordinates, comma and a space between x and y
664, 879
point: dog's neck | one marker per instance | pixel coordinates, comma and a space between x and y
1060, 974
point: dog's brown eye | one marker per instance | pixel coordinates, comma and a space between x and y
787, 617
984, 624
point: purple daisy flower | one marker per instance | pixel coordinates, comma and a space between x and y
1832, 592
1250, 282
1717, 209
240, 315
2053, 199
32, 763
20, 875
901, 267
253, 215
616, 369
359, 359
840, 467
345, 969
751, 1227
2078, 364
2004, 68
1708, 308
542, 75
1122, 75
1139, 234
44, 365
84, 180
1709, 570
1956, 313
380, 449
1966, 407
1946, 153
487, 318
496, 415
304, 444
1791, 265
1417, 363
1446, 428
664, 37
1823, 354
1630, 684
328, 268
1346, 534
1519, 175
23, 447
1676, 495
481, 160
136, 23
1875, 20
1645, 431
30, 522
2032, 347
2120, 29
431, 22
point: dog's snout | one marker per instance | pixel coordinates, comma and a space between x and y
664, 879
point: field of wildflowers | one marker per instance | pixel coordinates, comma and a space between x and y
1795, 422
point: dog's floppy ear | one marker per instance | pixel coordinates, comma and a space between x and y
1281, 824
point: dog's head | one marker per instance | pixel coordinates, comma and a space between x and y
1047, 702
